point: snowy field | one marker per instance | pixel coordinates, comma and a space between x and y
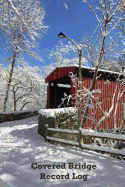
21, 146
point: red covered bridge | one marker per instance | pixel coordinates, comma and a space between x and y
60, 76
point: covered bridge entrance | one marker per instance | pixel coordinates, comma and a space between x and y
106, 82
59, 83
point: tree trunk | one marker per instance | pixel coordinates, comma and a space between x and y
94, 79
9, 83
14, 101
11, 73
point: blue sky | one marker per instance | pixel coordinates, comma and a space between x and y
74, 23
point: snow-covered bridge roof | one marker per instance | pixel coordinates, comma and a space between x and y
88, 72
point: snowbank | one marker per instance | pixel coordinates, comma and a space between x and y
17, 115
19, 111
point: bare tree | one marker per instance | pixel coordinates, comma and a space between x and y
22, 24
27, 89
108, 22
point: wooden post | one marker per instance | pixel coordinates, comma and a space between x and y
79, 138
46, 132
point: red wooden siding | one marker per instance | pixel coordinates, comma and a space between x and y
59, 73
106, 98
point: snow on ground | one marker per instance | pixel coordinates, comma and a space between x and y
21, 146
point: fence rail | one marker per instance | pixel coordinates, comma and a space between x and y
63, 141
82, 134
63, 130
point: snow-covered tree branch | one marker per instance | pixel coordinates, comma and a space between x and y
22, 24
